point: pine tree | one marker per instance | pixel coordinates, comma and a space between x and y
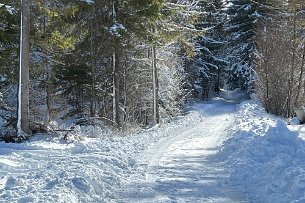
51, 21
9, 42
240, 32
206, 67
110, 31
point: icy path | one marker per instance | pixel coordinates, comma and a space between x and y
184, 167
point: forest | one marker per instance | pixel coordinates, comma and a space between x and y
126, 64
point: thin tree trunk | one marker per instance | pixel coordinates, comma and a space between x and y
115, 100
300, 77
292, 70
48, 72
93, 79
23, 123
125, 117
156, 115
93, 55
115, 77
48, 89
265, 67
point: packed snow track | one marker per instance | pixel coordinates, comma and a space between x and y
173, 162
184, 167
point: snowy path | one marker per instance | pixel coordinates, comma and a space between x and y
184, 167
262, 161
176, 162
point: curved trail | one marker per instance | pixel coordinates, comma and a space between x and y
184, 167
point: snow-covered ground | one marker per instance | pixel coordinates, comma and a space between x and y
266, 157
220, 151
184, 167
48, 169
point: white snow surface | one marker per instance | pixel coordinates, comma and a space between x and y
266, 159
220, 151
184, 167
47, 169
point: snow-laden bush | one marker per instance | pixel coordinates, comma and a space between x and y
170, 83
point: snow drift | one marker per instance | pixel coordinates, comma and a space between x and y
266, 159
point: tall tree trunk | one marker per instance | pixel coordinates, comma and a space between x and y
23, 123
93, 55
48, 89
292, 69
115, 97
92, 95
265, 67
156, 115
115, 76
48, 71
124, 92
300, 78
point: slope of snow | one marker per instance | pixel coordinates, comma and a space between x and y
266, 159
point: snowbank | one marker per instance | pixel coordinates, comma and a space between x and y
266, 159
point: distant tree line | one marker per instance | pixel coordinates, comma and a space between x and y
255, 45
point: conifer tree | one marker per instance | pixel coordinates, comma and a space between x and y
239, 33
9, 42
206, 67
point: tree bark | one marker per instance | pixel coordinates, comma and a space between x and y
292, 69
48, 71
115, 74
23, 123
115, 100
156, 114
300, 78
93, 58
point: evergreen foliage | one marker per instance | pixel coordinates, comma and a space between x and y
243, 16
205, 69
9, 42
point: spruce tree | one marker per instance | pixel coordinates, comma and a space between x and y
206, 67
9, 42
240, 31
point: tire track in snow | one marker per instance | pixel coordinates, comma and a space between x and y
185, 168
